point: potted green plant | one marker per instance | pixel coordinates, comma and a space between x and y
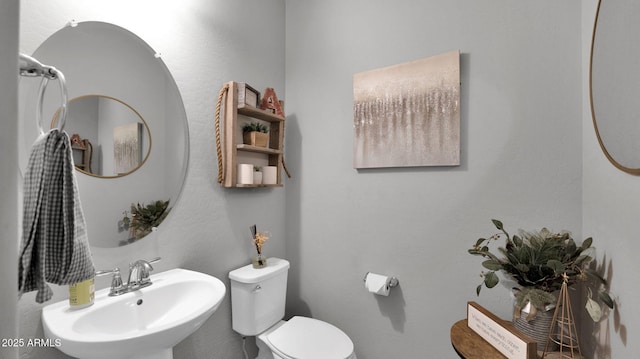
255, 134
538, 261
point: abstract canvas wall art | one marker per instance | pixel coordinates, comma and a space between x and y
127, 147
408, 115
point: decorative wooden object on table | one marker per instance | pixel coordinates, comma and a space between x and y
470, 345
484, 335
232, 138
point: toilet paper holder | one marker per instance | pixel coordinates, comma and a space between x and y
393, 281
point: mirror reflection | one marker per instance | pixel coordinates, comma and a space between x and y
615, 82
108, 137
121, 204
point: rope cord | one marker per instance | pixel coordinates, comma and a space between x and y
221, 94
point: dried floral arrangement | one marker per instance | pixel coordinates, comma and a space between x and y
258, 240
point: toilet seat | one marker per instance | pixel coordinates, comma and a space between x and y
308, 338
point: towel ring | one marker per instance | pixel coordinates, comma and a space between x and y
64, 101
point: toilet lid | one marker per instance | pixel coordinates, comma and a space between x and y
307, 338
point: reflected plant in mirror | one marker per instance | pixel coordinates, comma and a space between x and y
142, 219
120, 88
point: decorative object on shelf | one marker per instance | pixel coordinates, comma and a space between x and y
82, 151
245, 173
271, 103
408, 115
269, 174
257, 175
537, 261
145, 217
76, 141
258, 240
564, 333
255, 134
247, 95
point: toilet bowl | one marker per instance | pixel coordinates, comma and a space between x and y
304, 338
257, 306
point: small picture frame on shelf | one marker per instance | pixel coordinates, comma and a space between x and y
247, 95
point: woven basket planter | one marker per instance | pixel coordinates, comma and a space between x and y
255, 138
537, 328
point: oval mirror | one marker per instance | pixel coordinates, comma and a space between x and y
615, 82
122, 204
109, 138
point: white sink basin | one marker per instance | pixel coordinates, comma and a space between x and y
146, 323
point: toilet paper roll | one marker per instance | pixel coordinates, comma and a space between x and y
245, 173
377, 284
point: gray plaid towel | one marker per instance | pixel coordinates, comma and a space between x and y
54, 240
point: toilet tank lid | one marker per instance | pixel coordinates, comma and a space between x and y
248, 274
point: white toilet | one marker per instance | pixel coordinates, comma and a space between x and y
257, 308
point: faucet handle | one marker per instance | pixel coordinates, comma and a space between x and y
106, 271
117, 287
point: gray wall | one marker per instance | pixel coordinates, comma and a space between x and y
9, 11
521, 161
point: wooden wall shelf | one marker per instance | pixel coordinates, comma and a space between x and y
235, 151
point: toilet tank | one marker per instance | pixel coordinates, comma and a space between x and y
258, 296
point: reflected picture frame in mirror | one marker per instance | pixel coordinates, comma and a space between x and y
106, 59
614, 83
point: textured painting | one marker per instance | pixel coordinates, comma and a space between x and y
408, 115
127, 147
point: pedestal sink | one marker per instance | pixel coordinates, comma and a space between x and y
142, 324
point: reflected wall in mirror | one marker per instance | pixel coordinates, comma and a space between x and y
615, 82
101, 58
109, 138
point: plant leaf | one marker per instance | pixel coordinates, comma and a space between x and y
557, 266
583, 259
606, 299
492, 264
479, 242
478, 290
586, 243
491, 279
497, 223
517, 241
593, 309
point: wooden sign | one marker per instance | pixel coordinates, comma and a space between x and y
500, 334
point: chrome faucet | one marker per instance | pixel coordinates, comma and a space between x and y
139, 274
138, 277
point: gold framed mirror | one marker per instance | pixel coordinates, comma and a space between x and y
614, 82
109, 138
